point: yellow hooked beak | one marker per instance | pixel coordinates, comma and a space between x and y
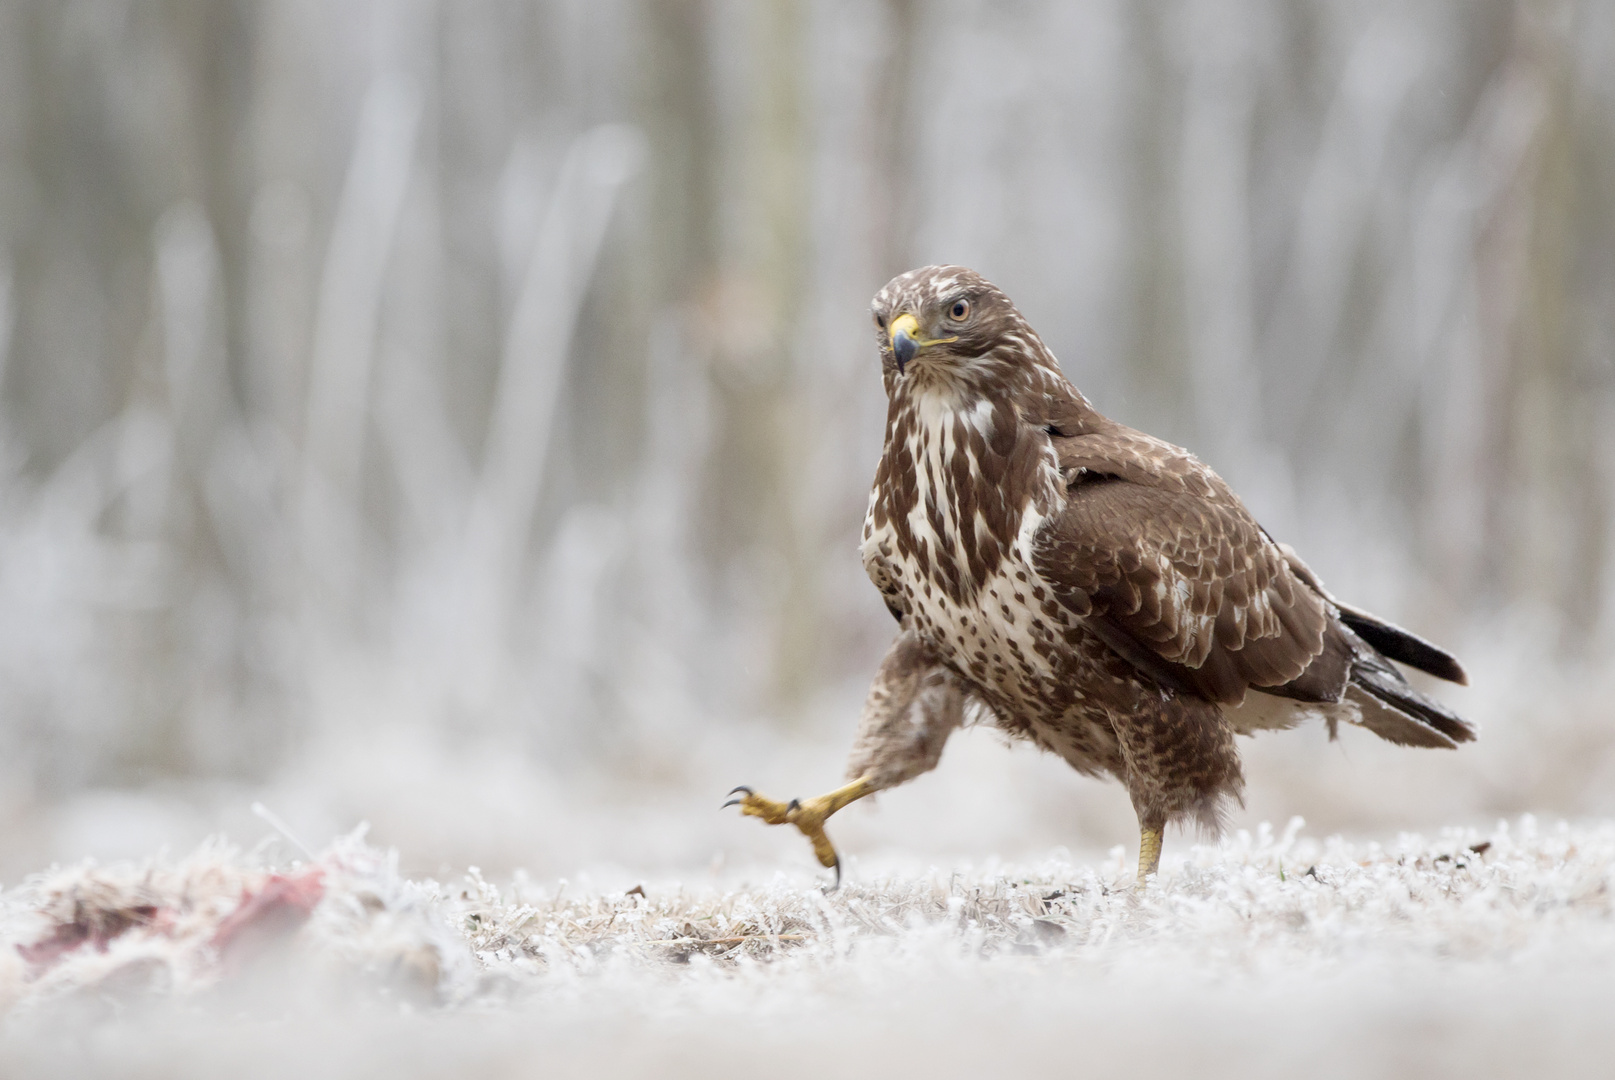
907, 340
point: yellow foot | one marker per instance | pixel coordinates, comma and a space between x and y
809, 816
1149, 852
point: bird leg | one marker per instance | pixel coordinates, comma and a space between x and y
914, 704
809, 816
1149, 851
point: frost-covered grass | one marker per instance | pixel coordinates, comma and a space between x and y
1460, 954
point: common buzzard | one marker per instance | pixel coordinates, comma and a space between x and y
1085, 585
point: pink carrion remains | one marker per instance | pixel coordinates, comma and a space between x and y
275, 909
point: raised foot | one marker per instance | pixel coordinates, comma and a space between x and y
808, 815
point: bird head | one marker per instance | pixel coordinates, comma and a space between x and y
942, 317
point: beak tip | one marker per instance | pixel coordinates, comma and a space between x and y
903, 347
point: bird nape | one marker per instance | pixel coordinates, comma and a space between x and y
1084, 585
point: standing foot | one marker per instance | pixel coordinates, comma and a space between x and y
1149, 851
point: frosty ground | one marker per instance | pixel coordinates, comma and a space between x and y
1467, 952
987, 925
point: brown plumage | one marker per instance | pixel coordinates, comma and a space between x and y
1086, 586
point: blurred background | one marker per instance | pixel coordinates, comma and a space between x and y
459, 416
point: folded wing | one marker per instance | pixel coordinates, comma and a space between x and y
1173, 573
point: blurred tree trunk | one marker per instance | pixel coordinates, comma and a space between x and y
679, 110
1157, 349
896, 137
757, 341
1546, 281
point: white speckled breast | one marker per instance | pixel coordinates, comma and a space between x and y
998, 634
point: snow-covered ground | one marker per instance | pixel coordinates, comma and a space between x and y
1467, 953
987, 925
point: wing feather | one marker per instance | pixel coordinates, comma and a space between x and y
1173, 572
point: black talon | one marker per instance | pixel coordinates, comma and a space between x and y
793, 806
837, 884
736, 802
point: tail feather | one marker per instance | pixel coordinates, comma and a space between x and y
1391, 724
1401, 645
1397, 712
1414, 707
1363, 679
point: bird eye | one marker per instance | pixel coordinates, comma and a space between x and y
880, 320
960, 311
